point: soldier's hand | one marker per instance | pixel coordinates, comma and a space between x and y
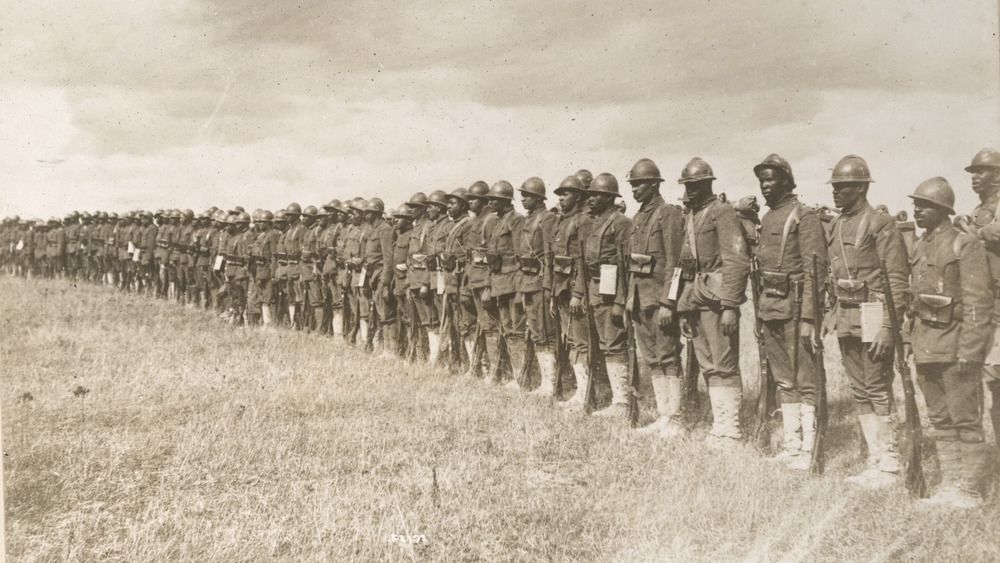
576, 305
618, 315
730, 322
664, 316
485, 295
687, 331
880, 344
424, 289
829, 326
807, 333
552, 307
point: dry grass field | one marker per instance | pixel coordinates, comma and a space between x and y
137, 430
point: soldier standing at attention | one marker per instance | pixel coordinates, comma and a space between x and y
791, 234
291, 245
504, 270
985, 224
715, 265
71, 232
477, 274
377, 255
860, 238
569, 281
146, 247
393, 331
605, 252
534, 283
333, 317
237, 253
656, 233
309, 277
952, 296
461, 311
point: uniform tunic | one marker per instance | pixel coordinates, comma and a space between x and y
607, 244
535, 280
569, 278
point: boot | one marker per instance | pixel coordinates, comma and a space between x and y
994, 387
338, 323
434, 344
265, 313
575, 403
726, 401
791, 423
363, 331
516, 348
949, 455
474, 365
390, 342
668, 391
547, 367
618, 377
972, 468
802, 461
291, 316
869, 433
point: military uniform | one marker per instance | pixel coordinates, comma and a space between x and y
237, 254
715, 265
952, 297
400, 289
504, 271
310, 279
377, 257
568, 282
461, 311
333, 294
262, 264
291, 254
477, 275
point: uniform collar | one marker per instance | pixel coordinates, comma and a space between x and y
655, 202
788, 198
944, 226
991, 198
857, 211
705, 203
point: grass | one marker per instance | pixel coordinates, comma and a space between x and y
136, 430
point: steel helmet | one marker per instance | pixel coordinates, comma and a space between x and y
986, 158
584, 176
851, 168
188, 213
266, 216
502, 190
113, 216
311, 211
243, 217
293, 209
159, 213
402, 211
438, 197
418, 199
571, 183
695, 171
357, 204
334, 205
237, 209
533, 186
370, 205
460, 193
775, 162
936, 191
606, 183
479, 189
645, 170
280, 216
256, 215
378, 203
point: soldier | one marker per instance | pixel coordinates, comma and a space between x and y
985, 224
393, 330
477, 276
310, 279
291, 245
333, 298
569, 279
279, 280
71, 230
504, 270
655, 243
605, 254
422, 266
791, 234
860, 238
145, 250
184, 262
376, 287
534, 284
259, 272
458, 310
237, 255
161, 254
952, 296
84, 254
715, 266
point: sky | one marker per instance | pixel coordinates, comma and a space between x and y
125, 104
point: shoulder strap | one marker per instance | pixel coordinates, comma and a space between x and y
691, 229
793, 218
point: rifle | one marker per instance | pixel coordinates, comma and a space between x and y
816, 463
633, 365
692, 402
914, 480
766, 400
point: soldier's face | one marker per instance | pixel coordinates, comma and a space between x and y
434, 211
599, 202
416, 210
846, 195
698, 192
568, 200
477, 204
531, 201
644, 191
456, 207
773, 184
984, 178
927, 215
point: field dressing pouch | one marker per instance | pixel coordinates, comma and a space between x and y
851, 292
131, 248
640, 264
440, 282
362, 277
608, 280
420, 261
993, 358
871, 321
135, 255
220, 260
707, 288
20, 245
562, 265
478, 257
934, 308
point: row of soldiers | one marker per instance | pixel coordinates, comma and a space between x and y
465, 280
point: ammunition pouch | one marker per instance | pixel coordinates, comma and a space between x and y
236, 260
851, 293
933, 309
495, 261
774, 284
594, 270
401, 267
447, 262
689, 267
562, 265
420, 261
530, 265
162, 244
478, 257
641, 264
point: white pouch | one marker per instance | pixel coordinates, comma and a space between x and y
219, 260
871, 321
609, 279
